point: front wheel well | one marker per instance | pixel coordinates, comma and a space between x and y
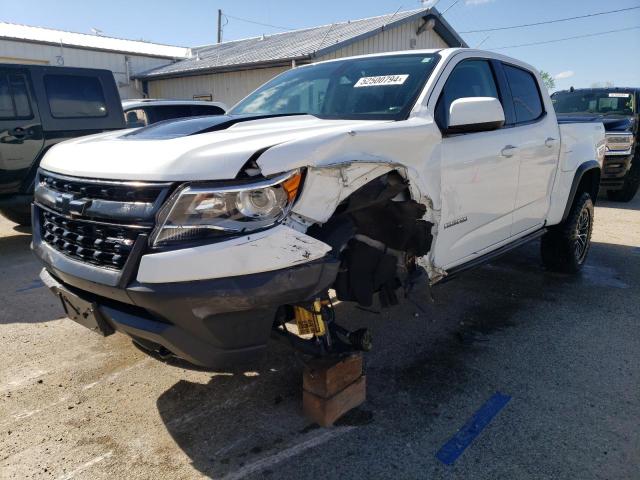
377, 233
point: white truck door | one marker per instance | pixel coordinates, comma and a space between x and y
537, 136
479, 173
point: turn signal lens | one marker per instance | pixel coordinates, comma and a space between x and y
291, 186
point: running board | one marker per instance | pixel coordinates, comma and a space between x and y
487, 257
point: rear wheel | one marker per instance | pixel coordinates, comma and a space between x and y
565, 246
630, 186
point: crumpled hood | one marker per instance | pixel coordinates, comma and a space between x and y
214, 155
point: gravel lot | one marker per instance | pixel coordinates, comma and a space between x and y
565, 349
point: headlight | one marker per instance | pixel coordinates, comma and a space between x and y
200, 212
619, 143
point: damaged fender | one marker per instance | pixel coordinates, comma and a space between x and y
339, 164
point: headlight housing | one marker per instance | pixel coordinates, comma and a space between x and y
619, 143
197, 212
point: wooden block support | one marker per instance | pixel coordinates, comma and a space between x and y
325, 377
333, 387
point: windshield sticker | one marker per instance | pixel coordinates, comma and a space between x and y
381, 80
619, 95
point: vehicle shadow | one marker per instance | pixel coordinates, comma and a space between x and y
419, 364
632, 205
23, 297
15, 244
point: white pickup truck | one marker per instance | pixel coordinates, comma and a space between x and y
201, 237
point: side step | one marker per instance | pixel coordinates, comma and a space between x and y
477, 262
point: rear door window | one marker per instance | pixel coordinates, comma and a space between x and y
525, 93
72, 96
14, 97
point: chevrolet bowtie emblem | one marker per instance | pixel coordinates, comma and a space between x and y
67, 204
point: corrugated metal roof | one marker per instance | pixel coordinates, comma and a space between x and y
298, 44
15, 31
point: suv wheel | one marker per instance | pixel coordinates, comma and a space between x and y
630, 185
565, 246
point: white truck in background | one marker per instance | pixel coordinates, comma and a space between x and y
202, 237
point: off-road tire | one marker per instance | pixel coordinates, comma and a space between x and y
630, 185
565, 246
19, 215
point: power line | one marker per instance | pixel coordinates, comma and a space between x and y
566, 38
449, 7
551, 21
258, 23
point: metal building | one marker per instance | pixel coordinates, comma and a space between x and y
228, 71
44, 46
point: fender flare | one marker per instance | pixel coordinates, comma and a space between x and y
577, 178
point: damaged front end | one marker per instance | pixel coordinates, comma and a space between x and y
377, 233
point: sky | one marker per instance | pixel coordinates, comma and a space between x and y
580, 62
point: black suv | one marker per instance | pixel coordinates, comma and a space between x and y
39, 107
617, 109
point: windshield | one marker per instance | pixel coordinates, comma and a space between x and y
384, 87
603, 103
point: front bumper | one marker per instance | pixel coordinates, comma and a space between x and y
213, 322
614, 171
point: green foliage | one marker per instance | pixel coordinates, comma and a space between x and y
548, 80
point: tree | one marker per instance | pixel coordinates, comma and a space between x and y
548, 80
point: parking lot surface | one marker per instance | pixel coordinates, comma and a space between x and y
564, 350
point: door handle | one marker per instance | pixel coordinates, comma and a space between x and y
508, 151
550, 142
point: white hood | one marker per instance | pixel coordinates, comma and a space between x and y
217, 155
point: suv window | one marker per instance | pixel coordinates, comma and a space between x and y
198, 110
167, 112
136, 118
525, 93
470, 78
14, 98
72, 96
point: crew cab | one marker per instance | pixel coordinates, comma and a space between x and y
363, 175
39, 107
617, 109
145, 111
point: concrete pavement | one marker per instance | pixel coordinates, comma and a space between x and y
565, 349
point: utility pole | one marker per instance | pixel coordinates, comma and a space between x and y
219, 26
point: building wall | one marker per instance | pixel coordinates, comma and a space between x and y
231, 87
35, 53
391, 40
228, 87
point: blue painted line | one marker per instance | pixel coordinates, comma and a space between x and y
451, 450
